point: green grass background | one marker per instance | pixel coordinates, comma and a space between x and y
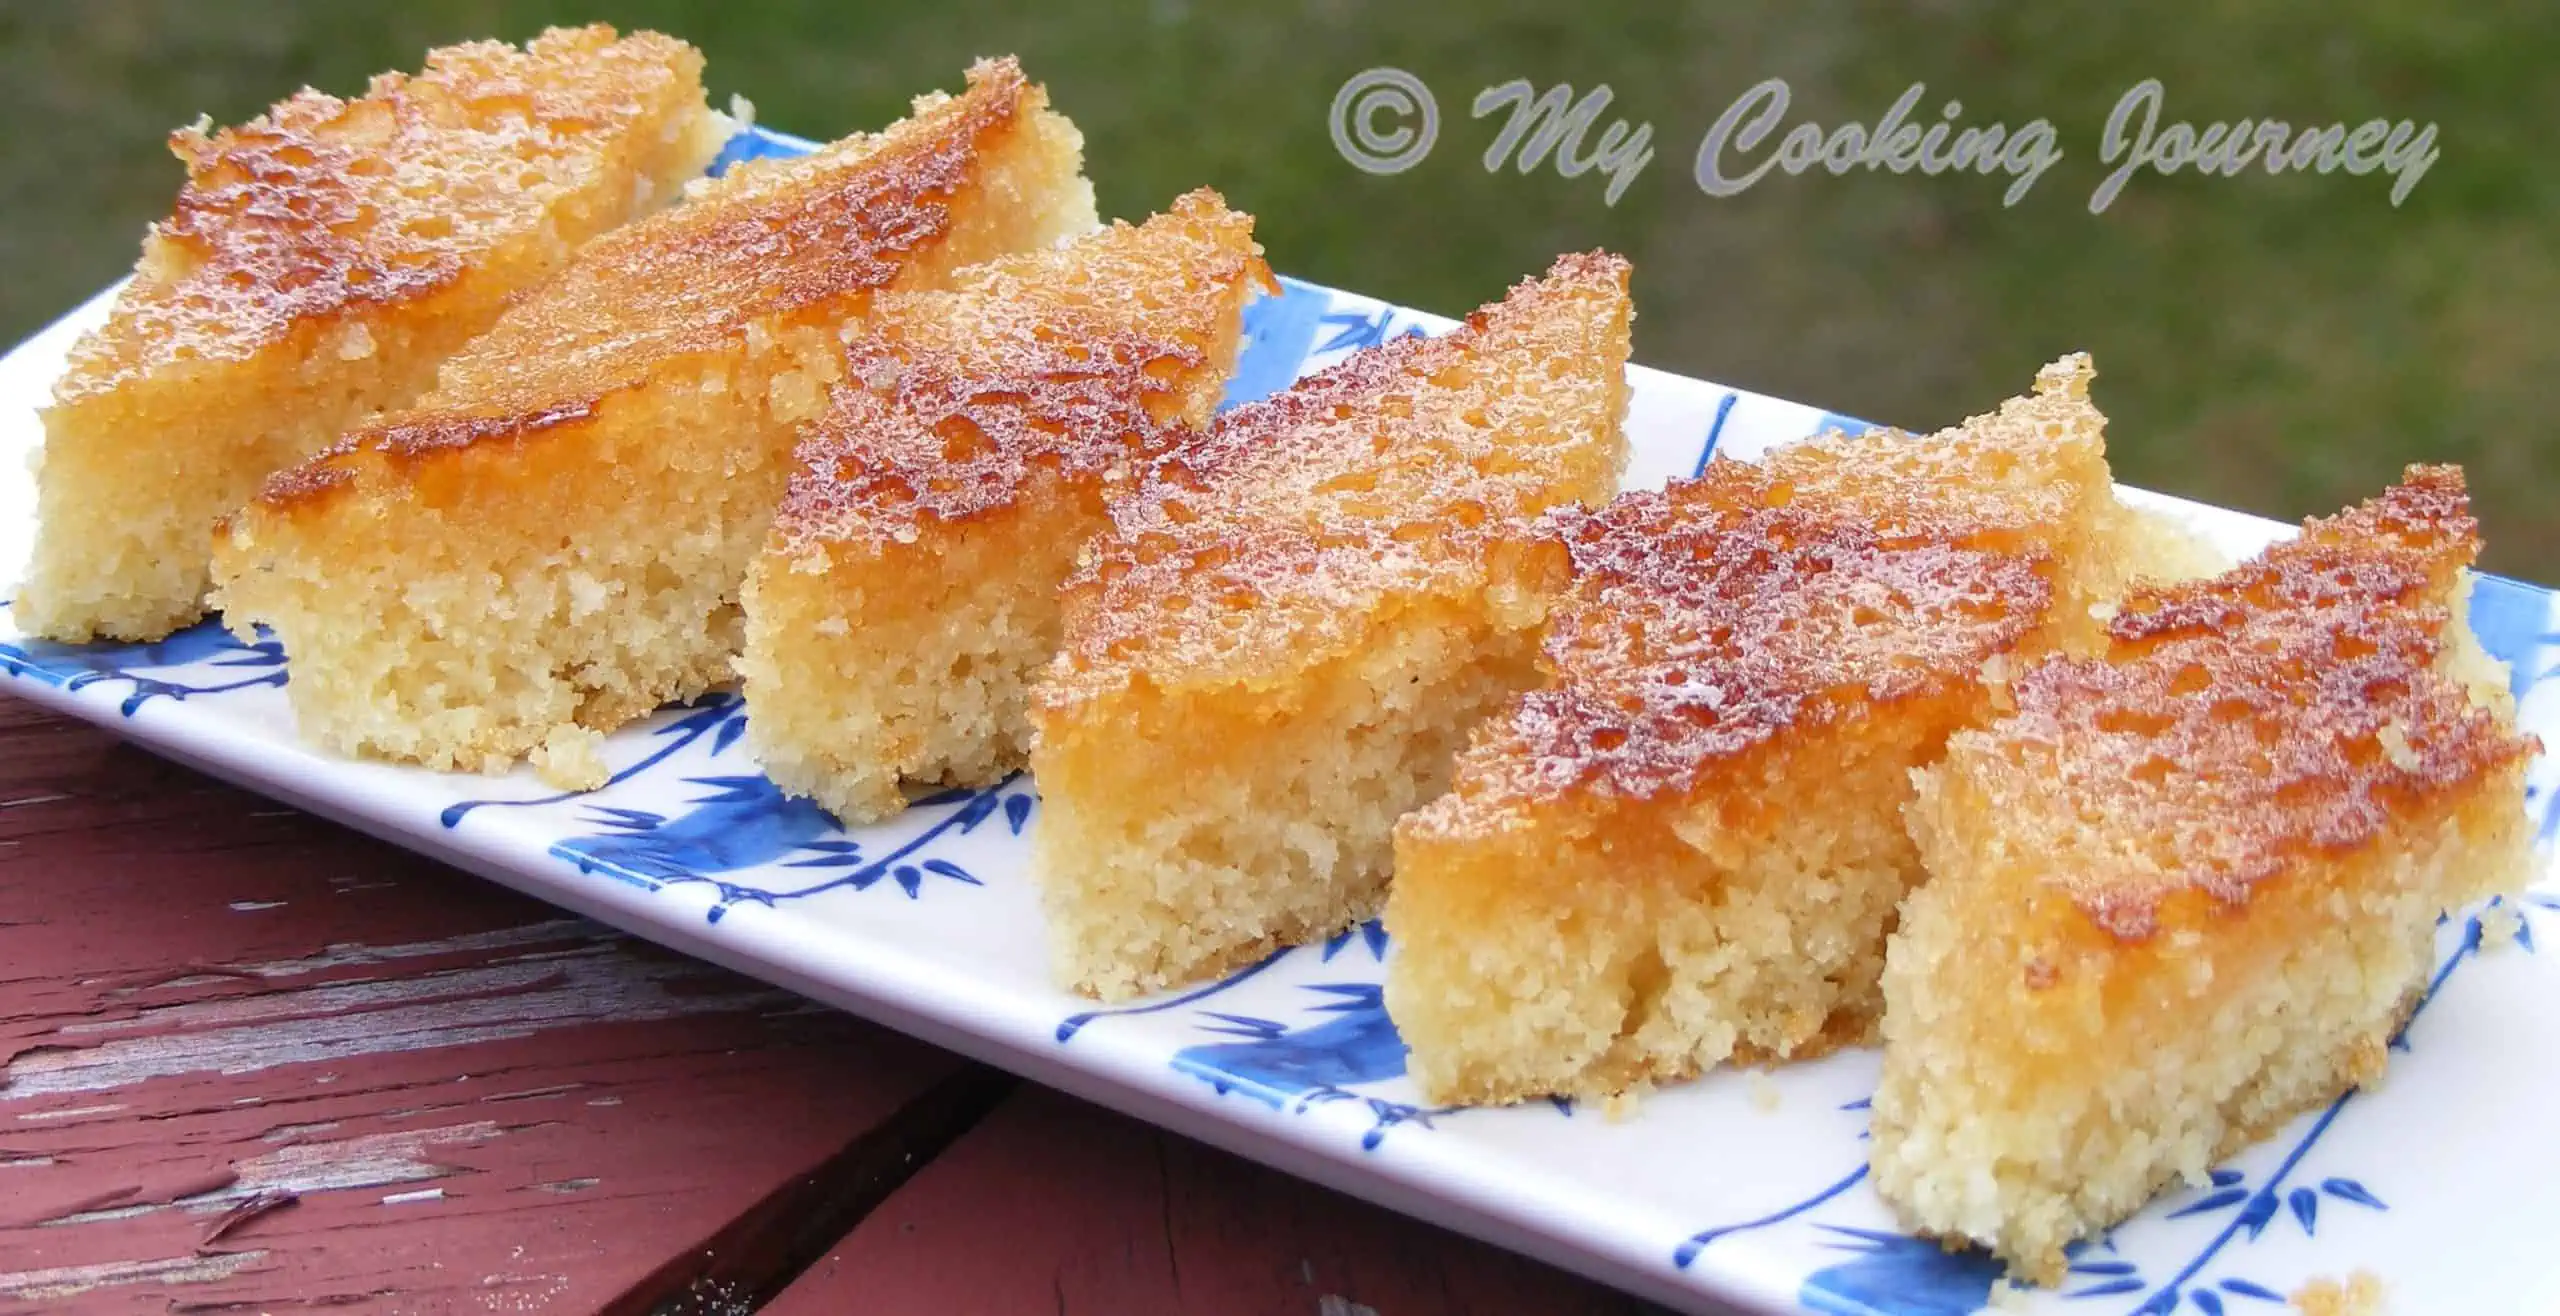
2279, 344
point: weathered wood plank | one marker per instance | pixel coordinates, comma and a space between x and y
1053, 1205
210, 1004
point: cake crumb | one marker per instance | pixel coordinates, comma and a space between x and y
2499, 925
572, 759
2005, 1296
1619, 1107
2360, 1295
1764, 1092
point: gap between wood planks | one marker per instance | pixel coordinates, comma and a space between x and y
760, 1252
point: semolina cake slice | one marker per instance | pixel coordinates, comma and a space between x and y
907, 596
320, 263
1281, 642
2189, 889
1688, 845
552, 543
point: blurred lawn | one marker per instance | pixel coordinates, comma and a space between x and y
2277, 344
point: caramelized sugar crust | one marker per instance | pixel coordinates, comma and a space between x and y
955, 400
2022, 475
768, 240
1840, 575
322, 207
1420, 458
1703, 624
1371, 440
2289, 710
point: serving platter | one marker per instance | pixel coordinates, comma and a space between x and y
1742, 1189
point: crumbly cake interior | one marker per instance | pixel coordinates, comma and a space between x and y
908, 594
2188, 888
1687, 846
320, 262
1293, 621
553, 542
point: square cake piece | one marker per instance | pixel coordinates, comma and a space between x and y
1284, 638
321, 262
908, 595
1688, 845
2189, 888
552, 543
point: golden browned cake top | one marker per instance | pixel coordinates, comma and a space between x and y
2017, 475
1075, 362
1409, 467
767, 238
1704, 624
2287, 710
324, 207
1831, 580
1495, 418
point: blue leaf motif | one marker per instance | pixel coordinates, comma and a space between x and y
2245, 1289
1244, 1025
1896, 1275
910, 879
2351, 1191
2261, 1209
2306, 1207
2206, 1301
946, 868
2161, 1304
2128, 1284
1355, 1044
2213, 1201
730, 729
1017, 811
2226, 1178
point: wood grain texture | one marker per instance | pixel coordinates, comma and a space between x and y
409, 1089
1054, 1205
254, 1062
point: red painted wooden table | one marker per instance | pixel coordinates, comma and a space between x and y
254, 1062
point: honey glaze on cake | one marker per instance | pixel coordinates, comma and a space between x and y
1408, 466
770, 238
924, 441
2291, 710
2012, 475
1251, 601
947, 416
1368, 440
323, 206
1704, 624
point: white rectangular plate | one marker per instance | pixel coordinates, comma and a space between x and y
1736, 1187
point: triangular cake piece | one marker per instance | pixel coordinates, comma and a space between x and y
2188, 889
321, 262
553, 542
908, 595
1688, 845
1282, 642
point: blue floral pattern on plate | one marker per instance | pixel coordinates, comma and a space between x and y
934, 916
